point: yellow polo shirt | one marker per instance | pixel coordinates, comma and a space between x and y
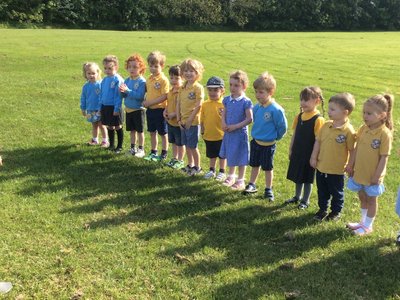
371, 144
189, 96
335, 144
171, 106
307, 116
211, 119
155, 87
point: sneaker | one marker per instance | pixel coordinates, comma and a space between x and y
132, 151
151, 156
140, 153
110, 148
93, 142
292, 200
238, 185
172, 162
229, 181
104, 144
333, 216
179, 164
302, 205
118, 150
320, 215
353, 226
186, 169
162, 157
194, 171
220, 176
268, 194
362, 231
210, 174
250, 189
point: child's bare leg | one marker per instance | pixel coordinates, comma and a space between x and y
154, 140
196, 156
254, 174
189, 155
95, 130
133, 137
242, 170
181, 152
222, 163
231, 172
103, 131
213, 162
164, 142
140, 138
174, 151
269, 176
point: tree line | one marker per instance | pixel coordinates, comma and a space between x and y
252, 15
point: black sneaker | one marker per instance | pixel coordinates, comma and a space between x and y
268, 194
250, 189
292, 200
303, 205
333, 216
118, 150
320, 215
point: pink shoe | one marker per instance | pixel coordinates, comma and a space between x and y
238, 185
104, 144
353, 226
362, 231
229, 181
92, 142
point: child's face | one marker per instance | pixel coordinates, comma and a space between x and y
236, 87
133, 69
175, 80
310, 105
372, 116
92, 74
262, 95
110, 69
155, 68
215, 93
336, 112
190, 74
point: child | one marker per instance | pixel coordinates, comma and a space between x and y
111, 102
134, 89
306, 126
211, 126
374, 141
157, 87
174, 131
237, 114
270, 125
333, 144
90, 106
189, 101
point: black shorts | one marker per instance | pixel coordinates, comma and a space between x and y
212, 148
262, 156
156, 121
108, 118
135, 120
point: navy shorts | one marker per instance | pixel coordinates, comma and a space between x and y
156, 121
212, 148
135, 120
108, 118
174, 135
262, 156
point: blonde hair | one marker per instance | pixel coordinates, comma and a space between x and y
110, 59
91, 65
241, 76
384, 103
139, 60
155, 57
266, 82
194, 65
345, 100
312, 92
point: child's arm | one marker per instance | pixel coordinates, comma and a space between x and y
83, 101
379, 169
157, 100
245, 122
280, 124
223, 116
349, 168
314, 154
117, 98
195, 111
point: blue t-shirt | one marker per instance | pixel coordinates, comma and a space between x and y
134, 96
90, 96
110, 94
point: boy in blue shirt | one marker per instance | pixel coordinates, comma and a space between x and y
269, 126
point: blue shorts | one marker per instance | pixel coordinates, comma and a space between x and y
93, 116
371, 190
156, 121
398, 203
174, 135
262, 156
190, 137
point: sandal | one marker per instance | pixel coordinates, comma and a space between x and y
238, 186
229, 181
353, 226
362, 230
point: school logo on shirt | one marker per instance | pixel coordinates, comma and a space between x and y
136, 86
157, 85
97, 91
192, 96
375, 144
341, 138
267, 116
112, 85
220, 110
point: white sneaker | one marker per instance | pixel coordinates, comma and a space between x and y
220, 176
140, 153
210, 174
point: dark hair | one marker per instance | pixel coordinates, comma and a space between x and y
312, 92
345, 100
174, 70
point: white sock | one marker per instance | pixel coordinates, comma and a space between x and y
95, 139
368, 222
105, 140
364, 212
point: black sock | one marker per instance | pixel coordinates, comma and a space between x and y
120, 137
164, 152
212, 169
154, 152
111, 137
133, 146
222, 170
141, 147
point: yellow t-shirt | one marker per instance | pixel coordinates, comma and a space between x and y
307, 116
171, 106
371, 144
189, 97
155, 87
335, 144
211, 119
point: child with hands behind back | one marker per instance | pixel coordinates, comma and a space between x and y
373, 146
333, 145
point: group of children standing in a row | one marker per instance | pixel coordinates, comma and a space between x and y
176, 108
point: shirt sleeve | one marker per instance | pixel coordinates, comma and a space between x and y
117, 95
83, 98
319, 122
280, 123
386, 143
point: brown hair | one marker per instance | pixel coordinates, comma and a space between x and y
345, 100
109, 59
88, 65
193, 64
155, 57
241, 76
266, 82
140, 61
312, 92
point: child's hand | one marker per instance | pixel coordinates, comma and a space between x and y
230, 128
313, 162
349, 170
145, 103
123, 88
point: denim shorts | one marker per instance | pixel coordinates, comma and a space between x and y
371, 190
398, 203
190, 137
93, 116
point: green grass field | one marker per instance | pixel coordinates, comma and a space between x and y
81, 223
